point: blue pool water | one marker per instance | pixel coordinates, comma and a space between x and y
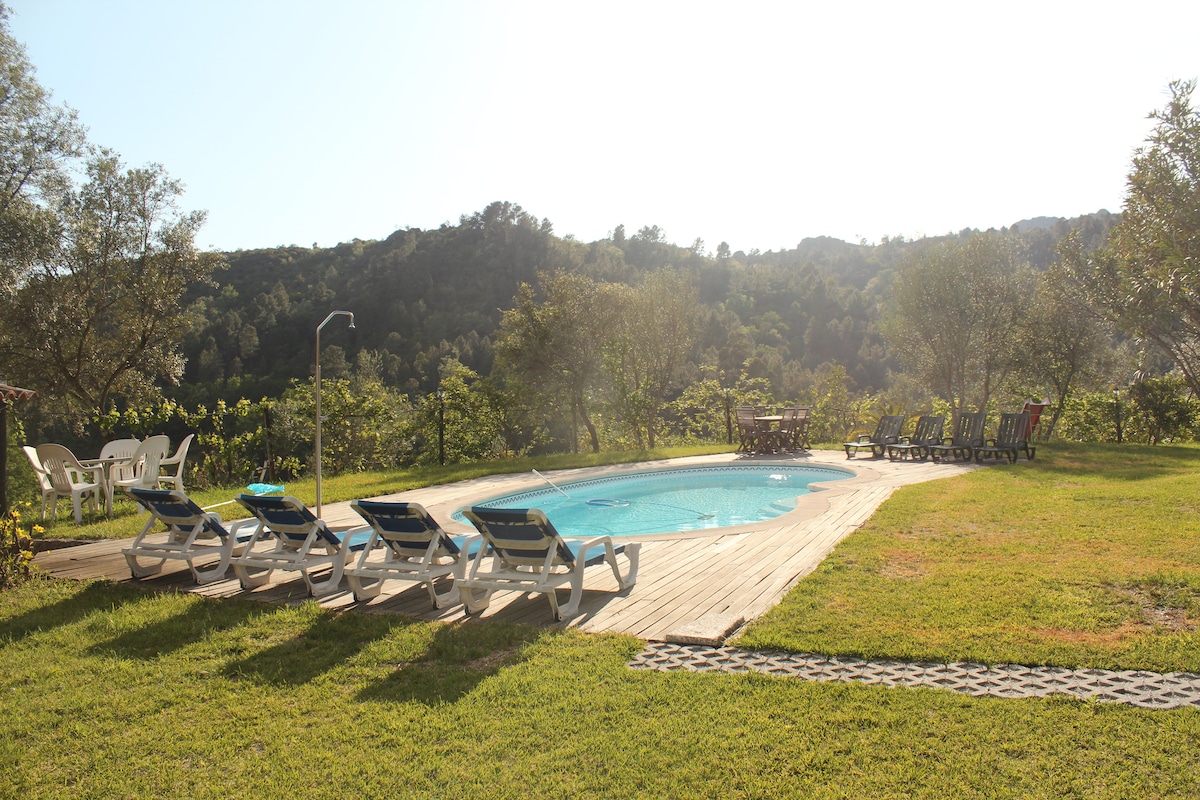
670, 501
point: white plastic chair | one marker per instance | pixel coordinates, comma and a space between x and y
114, 456
176, 461
66, 478
119, 448
141, 471
43, 477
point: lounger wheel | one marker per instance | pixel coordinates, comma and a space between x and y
476, 600
442, 600
327, 586
213, 573
363, 589
252, 580
138, 571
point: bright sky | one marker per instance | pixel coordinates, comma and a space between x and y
753, 123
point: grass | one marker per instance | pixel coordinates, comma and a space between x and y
1086, 556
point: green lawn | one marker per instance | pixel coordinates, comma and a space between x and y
1088, 556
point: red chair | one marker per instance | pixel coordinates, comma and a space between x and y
1034, 410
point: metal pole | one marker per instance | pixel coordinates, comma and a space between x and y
441, 427
1117, 401
3, 456
318, 397
728, 417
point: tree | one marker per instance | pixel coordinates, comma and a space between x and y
36, 138
456, 423
954, 316
558, 344
656, 331
1147, 279
99, 319
1063, 344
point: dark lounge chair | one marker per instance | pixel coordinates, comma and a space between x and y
916, 447
886, 432
1011, 436
968, 435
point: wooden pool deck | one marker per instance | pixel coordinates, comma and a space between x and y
697, 588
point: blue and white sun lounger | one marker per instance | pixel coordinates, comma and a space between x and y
406, 544
190, 533
298, 541
529, 555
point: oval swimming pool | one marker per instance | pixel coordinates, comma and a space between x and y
669, 501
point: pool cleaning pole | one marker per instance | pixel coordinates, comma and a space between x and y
547, 480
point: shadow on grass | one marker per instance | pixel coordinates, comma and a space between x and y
201, 620
459, 658
90, 599
330, 640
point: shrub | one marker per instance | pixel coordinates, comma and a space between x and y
16, 555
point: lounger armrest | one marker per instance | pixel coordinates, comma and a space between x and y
244, 530
471, 547
350, 534
588, 544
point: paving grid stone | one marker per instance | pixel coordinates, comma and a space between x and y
1140, 688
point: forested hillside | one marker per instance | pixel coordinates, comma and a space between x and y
419, 295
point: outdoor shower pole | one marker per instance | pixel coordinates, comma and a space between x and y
441, 427
318, 390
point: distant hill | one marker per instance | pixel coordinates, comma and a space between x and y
420, 295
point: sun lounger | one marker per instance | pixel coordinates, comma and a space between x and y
916, 447
405, 544
1011, 436
528, 555
967, 436
296, 541
190, 533
886, 432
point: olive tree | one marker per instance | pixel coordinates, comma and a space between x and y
655, 332
100, 318
1146, 281
557, 343
1065, 347
36, 139
954, 316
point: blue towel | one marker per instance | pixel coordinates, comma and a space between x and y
264, 488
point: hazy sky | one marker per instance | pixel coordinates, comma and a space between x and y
753, 123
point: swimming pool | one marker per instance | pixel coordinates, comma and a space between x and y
669, 501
